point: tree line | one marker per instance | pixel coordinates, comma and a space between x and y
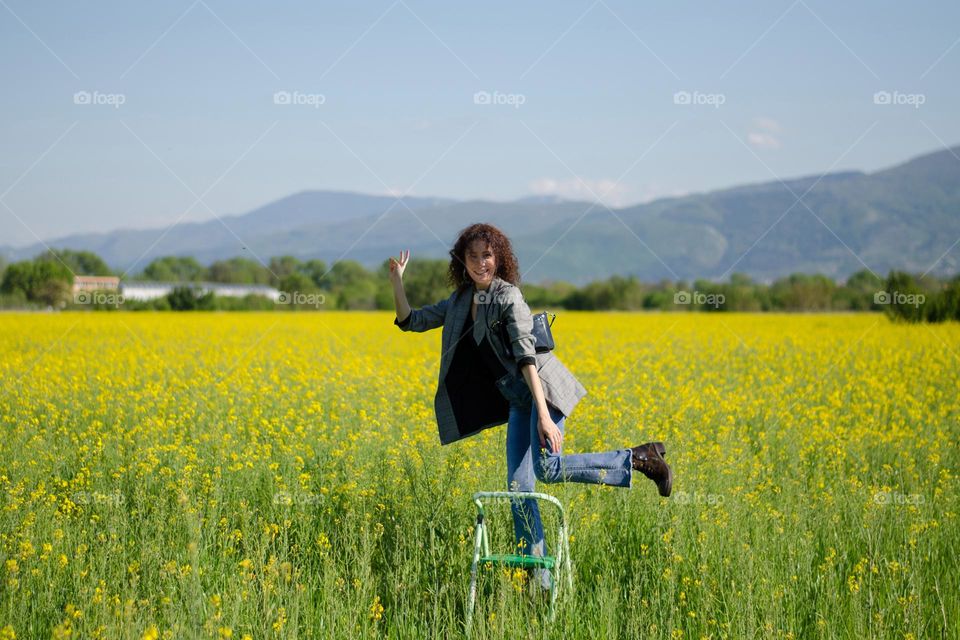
46, 282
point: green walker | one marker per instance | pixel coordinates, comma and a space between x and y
559, 563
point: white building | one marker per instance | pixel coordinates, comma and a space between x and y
154, 290
95, 283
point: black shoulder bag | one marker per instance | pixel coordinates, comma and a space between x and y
543, 336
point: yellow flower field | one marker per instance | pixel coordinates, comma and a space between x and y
279, 475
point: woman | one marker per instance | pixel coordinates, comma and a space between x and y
484, 382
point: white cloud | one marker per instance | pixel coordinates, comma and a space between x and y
762, 140
763, 135
767, 124
654, 191
606, 190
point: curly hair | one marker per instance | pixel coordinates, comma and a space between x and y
507, 266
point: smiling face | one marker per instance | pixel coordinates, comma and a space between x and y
481, 263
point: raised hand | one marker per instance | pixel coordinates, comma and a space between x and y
397, 267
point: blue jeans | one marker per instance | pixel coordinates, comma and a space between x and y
527, 462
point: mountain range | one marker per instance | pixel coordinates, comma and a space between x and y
904, 217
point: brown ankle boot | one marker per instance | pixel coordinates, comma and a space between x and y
648, 459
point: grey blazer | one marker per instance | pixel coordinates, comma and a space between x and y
502, 301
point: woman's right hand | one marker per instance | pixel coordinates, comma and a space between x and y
397, 267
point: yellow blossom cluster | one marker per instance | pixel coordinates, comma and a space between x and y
263, 475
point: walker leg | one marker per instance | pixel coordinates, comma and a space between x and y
472, 597
553, 600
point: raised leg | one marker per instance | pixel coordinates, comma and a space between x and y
613, 468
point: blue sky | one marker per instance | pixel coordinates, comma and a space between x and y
114, 115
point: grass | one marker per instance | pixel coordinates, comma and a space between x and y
233, 475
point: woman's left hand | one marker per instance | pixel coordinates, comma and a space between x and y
549, 433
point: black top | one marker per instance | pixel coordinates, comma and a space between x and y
484, 349
471, 378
